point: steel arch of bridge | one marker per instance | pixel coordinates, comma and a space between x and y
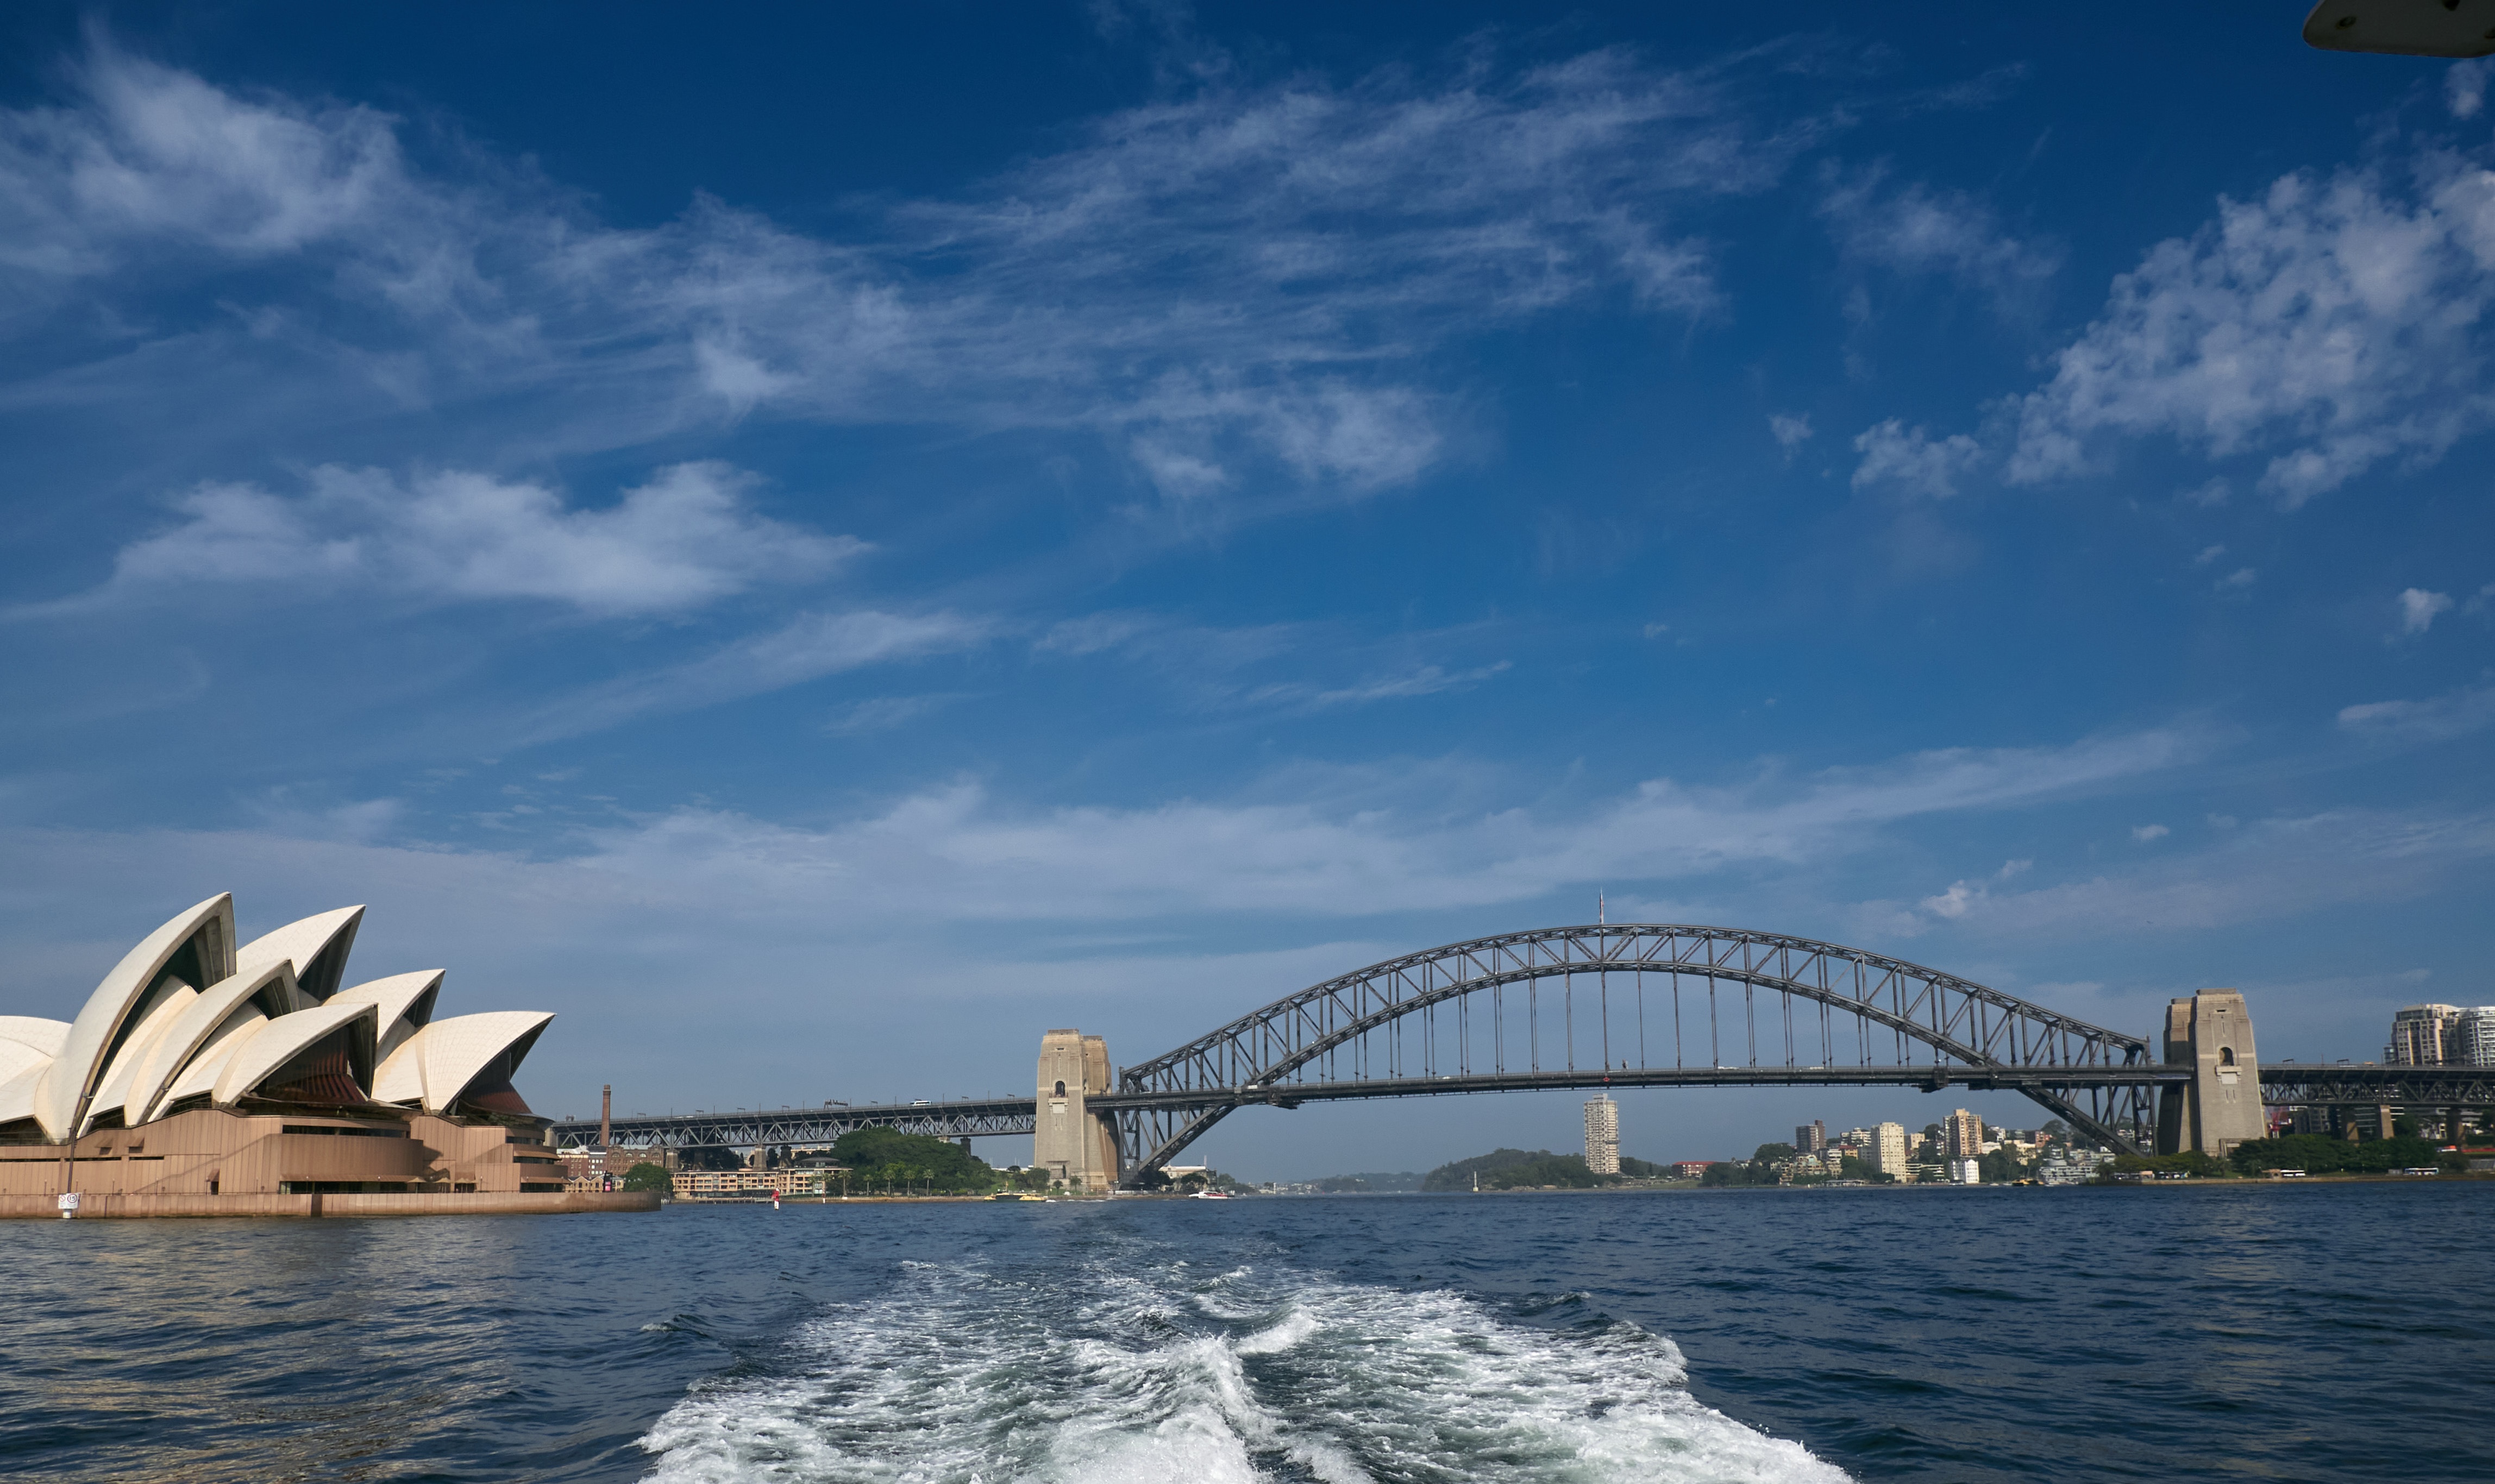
1381, 1028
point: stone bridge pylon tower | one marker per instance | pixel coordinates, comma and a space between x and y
2210, 1032
1076, 1146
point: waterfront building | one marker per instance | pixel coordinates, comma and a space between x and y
1888, 1148
1603, 1135
205, 1073
1965, 1170
1962, 1135
2065, 1165
1810, 1138
753, 1184
2423, 1036
601, 1167
1691, 1169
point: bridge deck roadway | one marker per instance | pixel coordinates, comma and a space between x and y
998, 1117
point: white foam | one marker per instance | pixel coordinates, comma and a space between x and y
1117, 1372
1295, 1327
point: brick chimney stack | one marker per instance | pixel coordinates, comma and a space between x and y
605, 1115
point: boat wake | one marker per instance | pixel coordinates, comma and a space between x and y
1130, 1365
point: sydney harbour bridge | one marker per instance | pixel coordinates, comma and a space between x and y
1619, 1006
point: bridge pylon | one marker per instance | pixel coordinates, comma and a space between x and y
2211, 1033
1077, 1147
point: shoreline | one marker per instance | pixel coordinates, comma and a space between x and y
1667, 1190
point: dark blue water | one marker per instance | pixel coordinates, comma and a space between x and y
2316, 1333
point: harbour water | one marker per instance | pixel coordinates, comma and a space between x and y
2318, 1333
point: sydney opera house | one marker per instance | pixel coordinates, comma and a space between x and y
202, 1078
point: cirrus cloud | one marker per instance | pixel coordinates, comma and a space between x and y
686, 538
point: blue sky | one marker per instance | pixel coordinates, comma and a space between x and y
820, 546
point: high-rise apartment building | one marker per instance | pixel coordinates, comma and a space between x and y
1962, 1134
2473, 1039
1810, 1138
1603, 1137
2423, 1036
1886, 1150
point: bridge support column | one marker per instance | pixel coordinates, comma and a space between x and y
2211, 1032
1077, 1147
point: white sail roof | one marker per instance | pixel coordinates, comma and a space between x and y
16, 1056
404, 1002
317, 946
18, 1092
280, 1040
49, 1037
252, 995
207, 1064
207, 928
437, 1063
28, 1045
149, 1039
162, 1010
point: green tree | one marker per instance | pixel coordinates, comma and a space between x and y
1763, 1167
646, 1176
2322, 1155
2001, 1166
900, 1162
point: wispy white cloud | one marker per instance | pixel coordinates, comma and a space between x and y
1233, 281
958, 853
1897, 457
2464, 87
1219, 669
1308, 857
2339, 322
1918, 228
2144, 833
155, 157
1790, 430
1427, 680
2264, 871
807, 649
2455, 713
2418, 607
686, 538
2238, 583
884, 713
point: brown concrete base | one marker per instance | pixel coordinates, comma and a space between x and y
448, 1203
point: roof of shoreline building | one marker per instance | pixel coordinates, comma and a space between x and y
188, 1017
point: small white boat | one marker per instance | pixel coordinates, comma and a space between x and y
1209, 1196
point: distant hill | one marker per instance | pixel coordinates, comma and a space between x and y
1508, 1169
1371, 1183
1503, 1170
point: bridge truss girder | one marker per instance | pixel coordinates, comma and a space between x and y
2282, 1086
966, 1118
1300, 1041
2289, 1085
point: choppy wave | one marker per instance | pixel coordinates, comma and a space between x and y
1126, 1366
